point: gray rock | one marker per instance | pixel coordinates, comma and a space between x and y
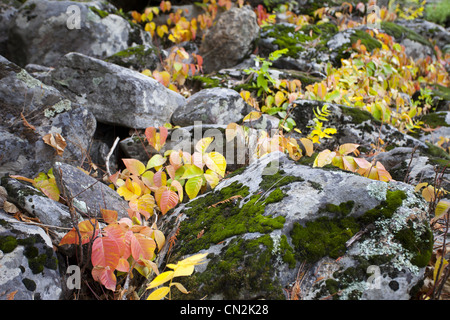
29, 266
260, 255
415, 166
48, 111
89, 195
428, 29
138, 57
114, 94
36, 204
211, 106
44, 31
230, 40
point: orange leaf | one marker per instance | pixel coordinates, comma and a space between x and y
105, 253
134, 166
86, 230
166, 199
110, 216
142, 245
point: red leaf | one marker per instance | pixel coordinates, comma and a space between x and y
105, 276
105, 253
123, 265
116, 233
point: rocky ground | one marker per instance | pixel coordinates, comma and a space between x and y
80, 82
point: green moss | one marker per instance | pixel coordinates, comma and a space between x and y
37, 264
385, 209
102, 14
206, 82
219, 217
434, 120
8, 244
29, 284
31, 252
277, 180
244, 266
442, 92
358, 115
343, 209
287, 252
323, 237
399, 32
366, 39
421, 247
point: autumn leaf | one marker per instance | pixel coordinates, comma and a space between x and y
106, 276
216, 162
105, 252
142, 245
166, 199
56, 141
86, 229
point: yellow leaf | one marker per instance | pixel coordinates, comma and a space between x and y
216, 162
442, 208
147, 72
309, 146
159, 294
203, 144
442, 263
180, 287
279, 98
348, 148
160, 279
323, 158
254, 115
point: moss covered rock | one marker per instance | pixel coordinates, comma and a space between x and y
258, 228
29, 265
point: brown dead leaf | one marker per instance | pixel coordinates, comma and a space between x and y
26, 123
9, 207
56, 141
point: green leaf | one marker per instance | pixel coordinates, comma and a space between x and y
156, 161
191, 171
193, 186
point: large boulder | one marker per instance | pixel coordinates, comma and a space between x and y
211, 106
352, 237
115, 95
43, 31
230, 40
88, 195
29, 111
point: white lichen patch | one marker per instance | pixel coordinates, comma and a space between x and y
59, 107
377, 189
382, 240
276, 239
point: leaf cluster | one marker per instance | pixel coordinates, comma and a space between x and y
342, 159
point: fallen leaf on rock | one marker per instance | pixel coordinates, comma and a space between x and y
56, 141
10, 207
